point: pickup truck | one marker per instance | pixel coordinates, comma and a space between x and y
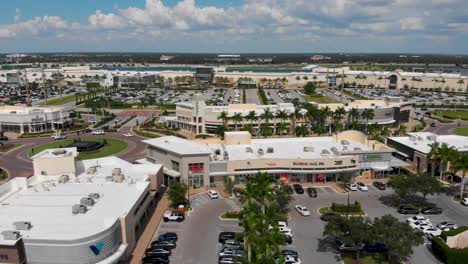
173, 216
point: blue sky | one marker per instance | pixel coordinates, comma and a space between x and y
399, 26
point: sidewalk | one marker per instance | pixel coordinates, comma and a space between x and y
151, 227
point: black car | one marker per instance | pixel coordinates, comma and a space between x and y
328, 216
169, 236
223, 236
376, 248
408, 210
298, 188
289, 252
312, 192
156, 251
380, 185
160, 259
288, 239
431, 210
162, 244
433, 124
3, 138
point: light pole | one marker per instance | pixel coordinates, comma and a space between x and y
188, 188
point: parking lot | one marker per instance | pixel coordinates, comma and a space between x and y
198, 234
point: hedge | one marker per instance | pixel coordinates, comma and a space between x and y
448, 255
343, 208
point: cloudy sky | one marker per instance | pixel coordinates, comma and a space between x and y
400, 26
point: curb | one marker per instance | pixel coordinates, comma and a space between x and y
351, 215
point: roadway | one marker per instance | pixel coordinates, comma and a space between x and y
444, 128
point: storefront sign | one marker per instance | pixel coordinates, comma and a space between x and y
308, 163
3, 257
37, 119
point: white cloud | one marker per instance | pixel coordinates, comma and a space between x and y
412, 23
106, 21
17, 15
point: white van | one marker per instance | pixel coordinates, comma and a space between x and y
213, 194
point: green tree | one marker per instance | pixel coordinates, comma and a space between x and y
398, 236
403, 185
367, 114
237, 118
461, 164
353, 231
224, 117
228, 185
177, 193
427, 184
310, 88
282, 199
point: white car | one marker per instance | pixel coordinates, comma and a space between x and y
362, 187
287, 232
417, 218
446, 226
98, 132
58, 136
291, 260
213, 194
282, 224
129, 134
302, 210
464, 201
420, 224
351, 186
432, 231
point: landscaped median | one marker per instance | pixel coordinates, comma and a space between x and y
230, 215
343, 209
111, 147
5, 147
462, 131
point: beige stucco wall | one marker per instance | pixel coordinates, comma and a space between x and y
54, 166
458, 241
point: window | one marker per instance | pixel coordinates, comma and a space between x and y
175, 165
196, 167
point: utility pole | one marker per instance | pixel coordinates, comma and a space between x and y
27, 86
59, 86
44, 85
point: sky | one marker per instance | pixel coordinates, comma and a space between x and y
235, 26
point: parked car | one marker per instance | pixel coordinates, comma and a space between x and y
464, 201
3, 138
343, 247
446, 226
420, 224
161, 251
312, 192
288, 239
290, 252
377, 247
432, 231
155, 260
417, 218
232, 243
291, 260
380, 185
298, 188
167, 244
223, 236
408, 210
213, 194
432, 210
362, 187
169, 236
433, 124
173, 216
302, 210
351, 187
228, 260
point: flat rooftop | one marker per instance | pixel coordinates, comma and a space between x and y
23, 110
287, 148
361, 104
179, 145
47, 204
422, 141
56, 153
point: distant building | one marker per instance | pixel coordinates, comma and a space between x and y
74, 211
166, 58
204, 74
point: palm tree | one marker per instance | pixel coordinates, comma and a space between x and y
460, 82
282, 115
283, 127
461, 164
367, 114
293, 117
266, 116
338, 115
353, 115
237, 118
326, 112
401, 130
298, 78
446, 155
434, 156
251, 116
224, 117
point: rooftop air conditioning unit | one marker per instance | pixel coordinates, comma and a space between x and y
325, 152
87, 201
64, 179
79, 209
260, 151
94, 196
118, 178
270, 150
11, 235
334, 150
92, 170
116, 171
22, 225
344, 142
357, 148
248, 150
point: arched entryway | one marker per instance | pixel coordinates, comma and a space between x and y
392, 81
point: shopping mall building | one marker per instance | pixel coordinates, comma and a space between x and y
308, 159
76, 212
26, 119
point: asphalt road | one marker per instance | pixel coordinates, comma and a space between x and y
444, 128
18, 164
198, 234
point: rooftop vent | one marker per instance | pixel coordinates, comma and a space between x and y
22, 225
64, 179
325, 152
334, 150
344, 142
11, 235
79, 209
95, 196
118, 178
357, 148
270, 150
260, 151
92, 170
87, 201
248, 150
116, 171
59, 152
308, 149
218, 152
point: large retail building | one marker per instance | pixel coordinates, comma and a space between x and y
74, 211
308, 159
25, 119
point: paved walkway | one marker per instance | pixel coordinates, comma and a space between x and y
151, 227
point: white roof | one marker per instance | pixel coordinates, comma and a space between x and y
47, 204
422, 141
56, 153
289, 148
178, 145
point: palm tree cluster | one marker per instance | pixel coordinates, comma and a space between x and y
259, 218
303, 121
448, 159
